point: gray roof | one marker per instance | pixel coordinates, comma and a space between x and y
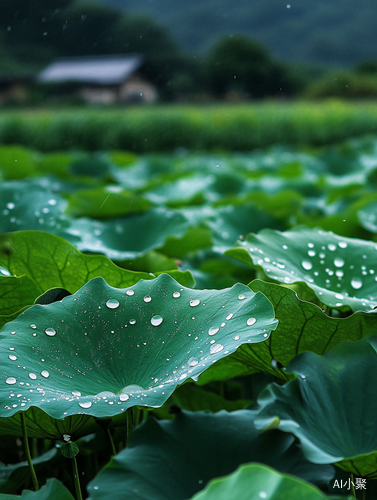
103, 70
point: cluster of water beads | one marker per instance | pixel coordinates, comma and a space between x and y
334, 269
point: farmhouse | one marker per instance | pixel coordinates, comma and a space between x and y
102, 79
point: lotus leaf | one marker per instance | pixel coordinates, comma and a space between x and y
172, 460
103, 350
330, 406
341, 271
258, 481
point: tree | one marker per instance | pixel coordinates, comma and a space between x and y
163, 58
240, 64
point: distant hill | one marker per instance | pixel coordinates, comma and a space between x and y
324, 32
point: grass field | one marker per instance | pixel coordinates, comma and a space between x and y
163, 128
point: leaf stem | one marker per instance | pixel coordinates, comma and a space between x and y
353, 492
113, 450
76, 479
130, 424
27, 453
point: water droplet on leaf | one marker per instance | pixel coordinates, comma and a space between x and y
157, 320
215, 348
194, 302
112, 304
213, 330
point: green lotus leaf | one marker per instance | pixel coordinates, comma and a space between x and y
27, 205
17, 162
51, 262
341, 271
258, 481
41, 425
168, 460
103, 350
330, 406
53, 489
367, 216
302, 326
229, 222
102, 203
127, 237
16, 293
192, 190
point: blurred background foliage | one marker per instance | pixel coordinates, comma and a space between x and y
201, 51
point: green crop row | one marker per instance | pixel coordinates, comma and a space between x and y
237, 127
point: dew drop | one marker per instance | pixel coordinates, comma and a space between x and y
157, 320
33, 327
215, 348
147, 298
306, 265
331, 247
356, 283
176, 295
10, 381
311, 253
342, 244
241, 296
194, 302
45, 373
251, 321
285, 247
76, 393
12, 357
193, 362
10, 205
130, 293
124, 397
230, 316
86, 404
237, 337
132, 322
50, 332
112, 304
32, 376
213, 330
339, 296
338, 262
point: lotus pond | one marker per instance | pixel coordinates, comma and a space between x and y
189, 326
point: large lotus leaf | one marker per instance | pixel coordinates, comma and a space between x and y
103, 350
53, 489
49, 261
330, 406
127, 237
302, 326
258, 481
172, 460
341, 271
102, 203
26, 205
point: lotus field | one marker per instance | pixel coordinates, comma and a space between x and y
189, 326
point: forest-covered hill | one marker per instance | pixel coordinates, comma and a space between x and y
336, 32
